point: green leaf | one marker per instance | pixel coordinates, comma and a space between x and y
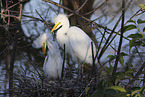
100, 89
121, 60
129, 27
101, 86
139, 42
113, 93
144, 29
86, 91
111, 57
135, 36
116, 88
131, 43
135, 42
96, 94
143, 39
142, 89
131, 21
109, 69
123, 54
141, 6
143, 72
134, 93
110, 92
139, 21
129, 73
120, 75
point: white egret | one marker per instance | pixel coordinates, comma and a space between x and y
77, 42
52, 66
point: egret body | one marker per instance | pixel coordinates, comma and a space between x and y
52, 66
77, 42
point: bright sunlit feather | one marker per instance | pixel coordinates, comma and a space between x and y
77, 42
52, 66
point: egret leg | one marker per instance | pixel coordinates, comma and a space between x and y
80, 70
62, 72
82, 65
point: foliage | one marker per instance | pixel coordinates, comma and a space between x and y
137, 38
142, 6
117, 76
118, 91
123, 78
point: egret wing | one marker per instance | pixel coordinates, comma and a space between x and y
80, 43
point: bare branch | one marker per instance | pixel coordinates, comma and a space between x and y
136, 76
120, 42
77, 14
79, 8
96, 8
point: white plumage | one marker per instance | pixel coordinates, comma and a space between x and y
77, 42
52, 66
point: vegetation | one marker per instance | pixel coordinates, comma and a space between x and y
120, 74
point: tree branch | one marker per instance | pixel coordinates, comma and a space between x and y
96, 8
120, 43
136, 76
12, 62
79, 8
54, 3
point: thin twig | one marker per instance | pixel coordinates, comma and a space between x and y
99, 17
136, 76
113, 31
66, 8
94, 67
29, 62
79, 8
42, 19
93, 59
38, 19
12, 62
14, 52
139, 53
5, 15
96, 8
59, 7
11, 6
62, 72
103, 36
86, 87
105, 45
120, 43
120, 29
20, 14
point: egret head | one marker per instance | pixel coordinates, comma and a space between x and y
60, 20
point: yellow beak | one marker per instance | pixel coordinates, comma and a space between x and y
55, 26
43, 48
